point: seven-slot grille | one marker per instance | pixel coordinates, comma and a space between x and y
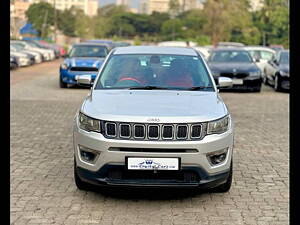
137, 131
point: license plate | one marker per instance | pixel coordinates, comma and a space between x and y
141, 163
237, 81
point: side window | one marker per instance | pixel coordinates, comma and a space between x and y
266, 55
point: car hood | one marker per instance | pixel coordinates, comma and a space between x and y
85, 62
160, 106
229, 67
19, 54
284, 67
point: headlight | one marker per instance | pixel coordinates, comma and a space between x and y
283, 73
23, 59
255, 73
218, 126
64, 66
88, 124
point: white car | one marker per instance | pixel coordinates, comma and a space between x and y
140, 128
47, 54
37, 55
177, 44
23, 59
262, 55
203, 50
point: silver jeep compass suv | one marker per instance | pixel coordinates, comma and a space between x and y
153, 118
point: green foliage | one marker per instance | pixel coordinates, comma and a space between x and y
220, 20
172, 29
273, 22
66, 22
41, 16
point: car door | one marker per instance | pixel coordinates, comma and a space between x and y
266, 56
272, 69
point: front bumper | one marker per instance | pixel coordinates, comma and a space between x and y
69, 77
24, 62
102, 178
196, 162
248, 82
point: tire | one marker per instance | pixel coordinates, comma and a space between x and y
277, 84
265, 80
81, 185
227, 185
62, 84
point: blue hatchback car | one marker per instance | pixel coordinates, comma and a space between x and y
83, 59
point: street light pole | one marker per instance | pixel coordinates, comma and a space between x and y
55, 20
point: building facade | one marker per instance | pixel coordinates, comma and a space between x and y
89, 7
163, 5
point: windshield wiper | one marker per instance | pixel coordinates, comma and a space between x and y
199, 88
147, 88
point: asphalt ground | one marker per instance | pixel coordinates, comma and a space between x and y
42, 188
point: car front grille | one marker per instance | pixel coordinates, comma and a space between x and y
234, 75
84, 69
161, 132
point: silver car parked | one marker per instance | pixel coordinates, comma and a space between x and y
153, 118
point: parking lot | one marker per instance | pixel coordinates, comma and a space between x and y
41, 163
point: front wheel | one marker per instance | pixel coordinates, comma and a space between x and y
227, 185
62, 84
265, 79
81, 185
277, 84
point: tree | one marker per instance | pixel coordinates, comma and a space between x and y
41, 16
273, 22
223, 16
66, 22
172, 29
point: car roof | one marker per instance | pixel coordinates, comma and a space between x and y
284, 51
90, 44
259, 48
155, 50
228, 49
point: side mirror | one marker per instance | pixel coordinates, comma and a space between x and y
225, 82
257, 60
84, 79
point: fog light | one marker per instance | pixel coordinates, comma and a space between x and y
217, 157
88, 155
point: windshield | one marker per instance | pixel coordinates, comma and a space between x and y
260, 54
154, 71
284, 57
18, 46
230, 56
89, 51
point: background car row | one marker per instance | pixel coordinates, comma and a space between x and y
247, 66
29, 52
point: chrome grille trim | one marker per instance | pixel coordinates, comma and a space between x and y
109, 135
162, 132
187, 131
158, 132
201, 131
160, 126
120, 131
144, 130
